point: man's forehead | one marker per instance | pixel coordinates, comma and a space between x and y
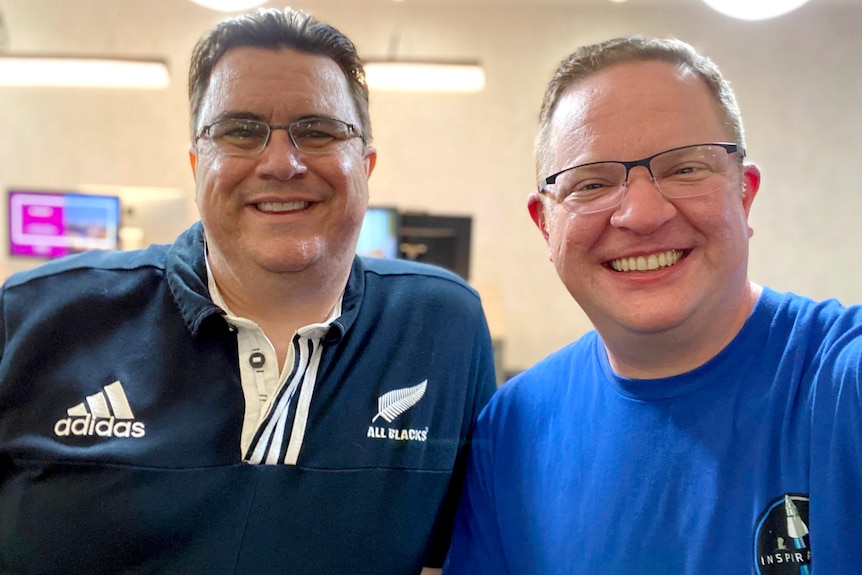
653, 96
274, 78
628, 84
254, 63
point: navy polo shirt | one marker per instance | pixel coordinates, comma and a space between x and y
121, 413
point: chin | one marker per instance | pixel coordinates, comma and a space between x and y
639, 318
290, 262
653, 323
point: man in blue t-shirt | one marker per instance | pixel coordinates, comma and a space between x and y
708, 424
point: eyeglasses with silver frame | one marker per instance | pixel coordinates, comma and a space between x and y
683, 172
247, 137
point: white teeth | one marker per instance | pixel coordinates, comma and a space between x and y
282, 206
647, 263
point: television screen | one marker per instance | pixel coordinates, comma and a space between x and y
437, 239
50, 225
379, 235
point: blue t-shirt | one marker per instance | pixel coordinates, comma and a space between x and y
751, 463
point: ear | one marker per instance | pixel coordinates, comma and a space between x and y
193, 160
537, 212
369, 158
750, 185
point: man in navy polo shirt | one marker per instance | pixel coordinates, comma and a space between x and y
253, 398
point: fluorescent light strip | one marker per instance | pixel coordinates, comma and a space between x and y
405, 76
754, 10
57, 71
229, 5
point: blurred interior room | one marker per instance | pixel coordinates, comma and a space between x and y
455, 165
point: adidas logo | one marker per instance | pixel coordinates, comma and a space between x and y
103, 414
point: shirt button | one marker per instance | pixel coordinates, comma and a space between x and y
256, 360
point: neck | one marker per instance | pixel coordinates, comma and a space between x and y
280, 303
657, 355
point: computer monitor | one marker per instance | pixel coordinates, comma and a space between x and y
443, 240
54, 224
379, 235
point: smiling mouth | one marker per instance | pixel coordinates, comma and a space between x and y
281, 207
647, 263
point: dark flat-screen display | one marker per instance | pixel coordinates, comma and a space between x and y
380, 233
441, 240
54, 224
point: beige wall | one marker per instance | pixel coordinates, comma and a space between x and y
798, 79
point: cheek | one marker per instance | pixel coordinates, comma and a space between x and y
725, 229
351, 171
732, 221
570, 234
214, 175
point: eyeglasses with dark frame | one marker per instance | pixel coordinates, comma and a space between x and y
683, 172
247, 137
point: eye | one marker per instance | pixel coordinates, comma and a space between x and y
690, 164
688, 171
313, 134
590, 186
588, 189
588, 183
317, 134
239, 133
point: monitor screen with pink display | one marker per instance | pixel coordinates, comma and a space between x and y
54, 224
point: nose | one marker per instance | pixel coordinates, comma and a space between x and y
280, 159
643, 208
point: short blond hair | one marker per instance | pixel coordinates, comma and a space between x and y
593, 58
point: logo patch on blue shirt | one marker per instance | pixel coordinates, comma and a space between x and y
781, 542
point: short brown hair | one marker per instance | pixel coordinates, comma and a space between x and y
275, 29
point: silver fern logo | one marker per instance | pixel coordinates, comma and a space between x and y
393, 403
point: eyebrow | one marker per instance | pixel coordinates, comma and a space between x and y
245, 115
238, 115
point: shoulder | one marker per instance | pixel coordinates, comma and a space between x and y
528, 410
402, 277
800, 309
102, 271
572, 357
403, 297
92, 288
398, 268
551, 378
823, 337
815, 325
99, 267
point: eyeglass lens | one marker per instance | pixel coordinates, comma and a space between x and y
681, 173
236, 136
